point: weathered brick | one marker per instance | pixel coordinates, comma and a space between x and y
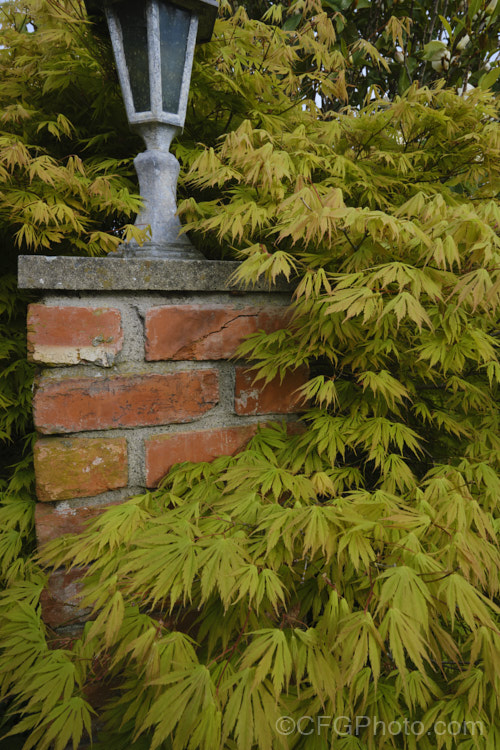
163, 451
274, 398
77, 404
52, 521
79, 467
204, 332
69, 335
60, 599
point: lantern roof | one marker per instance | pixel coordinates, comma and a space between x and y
206, 10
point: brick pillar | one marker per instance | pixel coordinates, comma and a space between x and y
136, 373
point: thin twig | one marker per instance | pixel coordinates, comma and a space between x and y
236, 644
349, 240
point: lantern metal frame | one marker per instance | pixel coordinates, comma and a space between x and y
156, 112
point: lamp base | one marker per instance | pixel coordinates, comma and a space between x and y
158, 251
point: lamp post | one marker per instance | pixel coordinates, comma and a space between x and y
153, 44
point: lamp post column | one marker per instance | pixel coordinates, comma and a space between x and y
158, 171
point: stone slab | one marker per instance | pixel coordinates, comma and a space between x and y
131, 274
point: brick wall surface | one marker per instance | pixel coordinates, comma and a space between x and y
79, 467
280, 396
79, 404
130, 383
163, 451
69, 335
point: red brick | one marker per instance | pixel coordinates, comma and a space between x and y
296, 428
206, 331
69, 335
163, 451
274, 398
79, 467
52, 521
60, 599
76, 404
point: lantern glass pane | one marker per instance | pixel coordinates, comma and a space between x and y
174, 30
132, 17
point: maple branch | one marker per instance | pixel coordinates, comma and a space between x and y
233, 649
370, 593
344, 232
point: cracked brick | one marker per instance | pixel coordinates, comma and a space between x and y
206, 332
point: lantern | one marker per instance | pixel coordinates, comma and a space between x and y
153, 44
